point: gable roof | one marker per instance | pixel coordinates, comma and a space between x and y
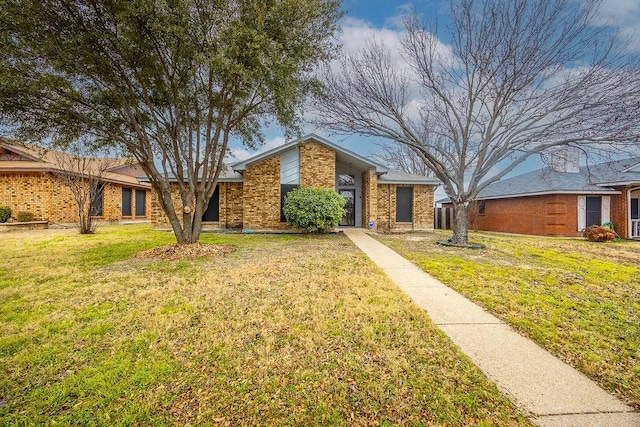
357, 159
595, 179
23, 157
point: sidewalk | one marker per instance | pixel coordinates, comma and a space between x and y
547, 390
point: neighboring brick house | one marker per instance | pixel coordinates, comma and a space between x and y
563, 201
28, 183
250, 193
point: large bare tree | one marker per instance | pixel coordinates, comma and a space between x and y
514, 79
167, 82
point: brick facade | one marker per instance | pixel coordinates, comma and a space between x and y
50, 200
255, 204
230, 208
317, 166
422, 208
261, 195
370, 198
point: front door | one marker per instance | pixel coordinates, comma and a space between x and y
349, 218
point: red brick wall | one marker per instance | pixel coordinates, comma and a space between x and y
547, 215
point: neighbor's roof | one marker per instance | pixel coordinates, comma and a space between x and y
594, 179
226, 175
23, 157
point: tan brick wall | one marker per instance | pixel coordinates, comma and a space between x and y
317, 166
261, 195
369, 198
49, 200
422, 208
230, 207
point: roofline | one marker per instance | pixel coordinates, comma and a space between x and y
546, 193
49, 169
611, 184
409, 181
635, 165
174, 179
242, 165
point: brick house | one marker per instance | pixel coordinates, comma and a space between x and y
562, 201
250, 193
28, 182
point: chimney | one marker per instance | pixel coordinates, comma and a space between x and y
562, 159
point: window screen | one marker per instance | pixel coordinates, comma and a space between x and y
593, 211
141, 202
126, 202
404, 204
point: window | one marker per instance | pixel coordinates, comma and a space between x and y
404, 204
284, 189
346, 180
593, 211
96, 200
126, 202
213, 210
482, 207
635, 208
141, 202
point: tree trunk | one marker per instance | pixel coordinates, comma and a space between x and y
461, 223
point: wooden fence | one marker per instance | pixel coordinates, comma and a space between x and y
443, 218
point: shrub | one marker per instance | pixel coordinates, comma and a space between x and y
24, 216
314, 209
598, 233
5, 213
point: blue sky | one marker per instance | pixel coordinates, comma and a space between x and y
382, 19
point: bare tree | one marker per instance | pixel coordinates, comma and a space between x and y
84, 177
403, 158
516, 79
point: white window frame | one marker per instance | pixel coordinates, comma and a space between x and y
605, 210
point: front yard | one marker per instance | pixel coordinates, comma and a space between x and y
578, 299
287, 330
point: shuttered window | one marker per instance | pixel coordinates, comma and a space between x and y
404, 204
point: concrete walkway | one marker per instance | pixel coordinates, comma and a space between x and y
547, 390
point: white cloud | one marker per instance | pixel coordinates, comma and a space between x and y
624, 14
238, 154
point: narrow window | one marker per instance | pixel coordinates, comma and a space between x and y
96, 200
593, 211
284, 189
404, 204
213, 210
126, 201
482, 207
141, 202
635, 208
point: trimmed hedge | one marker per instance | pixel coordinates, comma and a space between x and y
315, 209
24, 216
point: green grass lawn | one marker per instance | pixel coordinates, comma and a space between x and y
285, 330
579, 299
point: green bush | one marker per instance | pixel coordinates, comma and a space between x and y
5, 213
598, 233
314, 209
24, 216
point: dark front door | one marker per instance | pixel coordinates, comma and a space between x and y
349, 218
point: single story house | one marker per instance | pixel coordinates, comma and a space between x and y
29, 182
250, 193
563, 201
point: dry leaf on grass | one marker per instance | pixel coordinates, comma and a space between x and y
175, 252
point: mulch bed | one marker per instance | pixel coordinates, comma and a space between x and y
176, 251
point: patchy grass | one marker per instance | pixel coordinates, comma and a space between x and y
287, 330
578, 299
